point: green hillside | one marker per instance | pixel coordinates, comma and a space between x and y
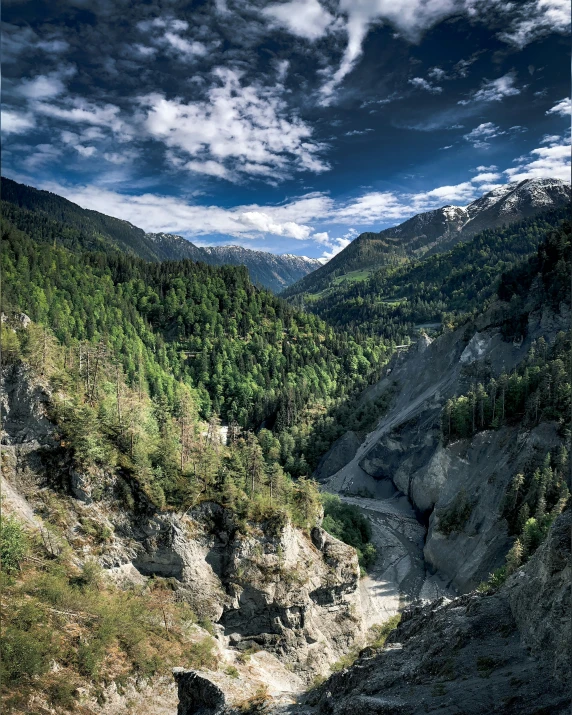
394, 300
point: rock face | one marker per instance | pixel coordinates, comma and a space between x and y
271, 587
505, 652
340, 453
198, 695
469, 475
501, 652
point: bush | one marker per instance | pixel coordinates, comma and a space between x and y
380, 632
202, 654
456, 516
348, 524
13, 544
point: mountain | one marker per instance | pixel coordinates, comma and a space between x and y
396, 300
465, 480
55, 218
276, 272
141, 535
438, 230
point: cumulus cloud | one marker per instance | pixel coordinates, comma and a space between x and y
156, 213
535, 19
311, 217
334, 245
42, 87
41, 155
421, 83
237, 129
494, 90
167, 33
77, 110
562, 108
16, 123
303, 18
480, 136
486, 177
545, 161
437, 74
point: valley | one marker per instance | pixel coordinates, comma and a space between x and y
149, 543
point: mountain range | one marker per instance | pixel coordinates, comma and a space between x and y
438, 230
96, 231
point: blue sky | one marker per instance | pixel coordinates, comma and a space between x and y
283, 126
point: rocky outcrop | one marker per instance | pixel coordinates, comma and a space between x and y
340, 453
505, 652
198, 695
498, 652
469, 476
265, 587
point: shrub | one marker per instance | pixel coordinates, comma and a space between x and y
202, 654
456, 516
348, 524
13, 544
380, 632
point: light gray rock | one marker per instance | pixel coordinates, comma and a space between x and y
340, 453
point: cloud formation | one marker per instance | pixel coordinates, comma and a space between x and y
238, 129
304, 18
563, 108
494, 90
421, 83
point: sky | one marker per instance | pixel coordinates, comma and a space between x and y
287, 126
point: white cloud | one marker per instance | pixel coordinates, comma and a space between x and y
53, 46
75, 140
16, 122
211, 168
42, 154
494, 90
486, 177
456, 194
264, 223
79, 111
241, 129
370, 207
480, 136
421, 83
535, 19
563, 108
410, 18
303, 18
42, 87
437, 74
171, 39
185, 47
357, 132
333, 245
546, 161
551, 139
314, 217
157, 213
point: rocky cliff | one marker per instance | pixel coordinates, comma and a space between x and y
504, 651
282, 604
469, 476
501, 652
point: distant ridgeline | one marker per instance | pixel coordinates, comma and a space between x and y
407, 293
48, 217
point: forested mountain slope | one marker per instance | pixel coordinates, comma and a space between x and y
46, 216
247, 355
436, 231
477, 439
394, 300
133, 521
